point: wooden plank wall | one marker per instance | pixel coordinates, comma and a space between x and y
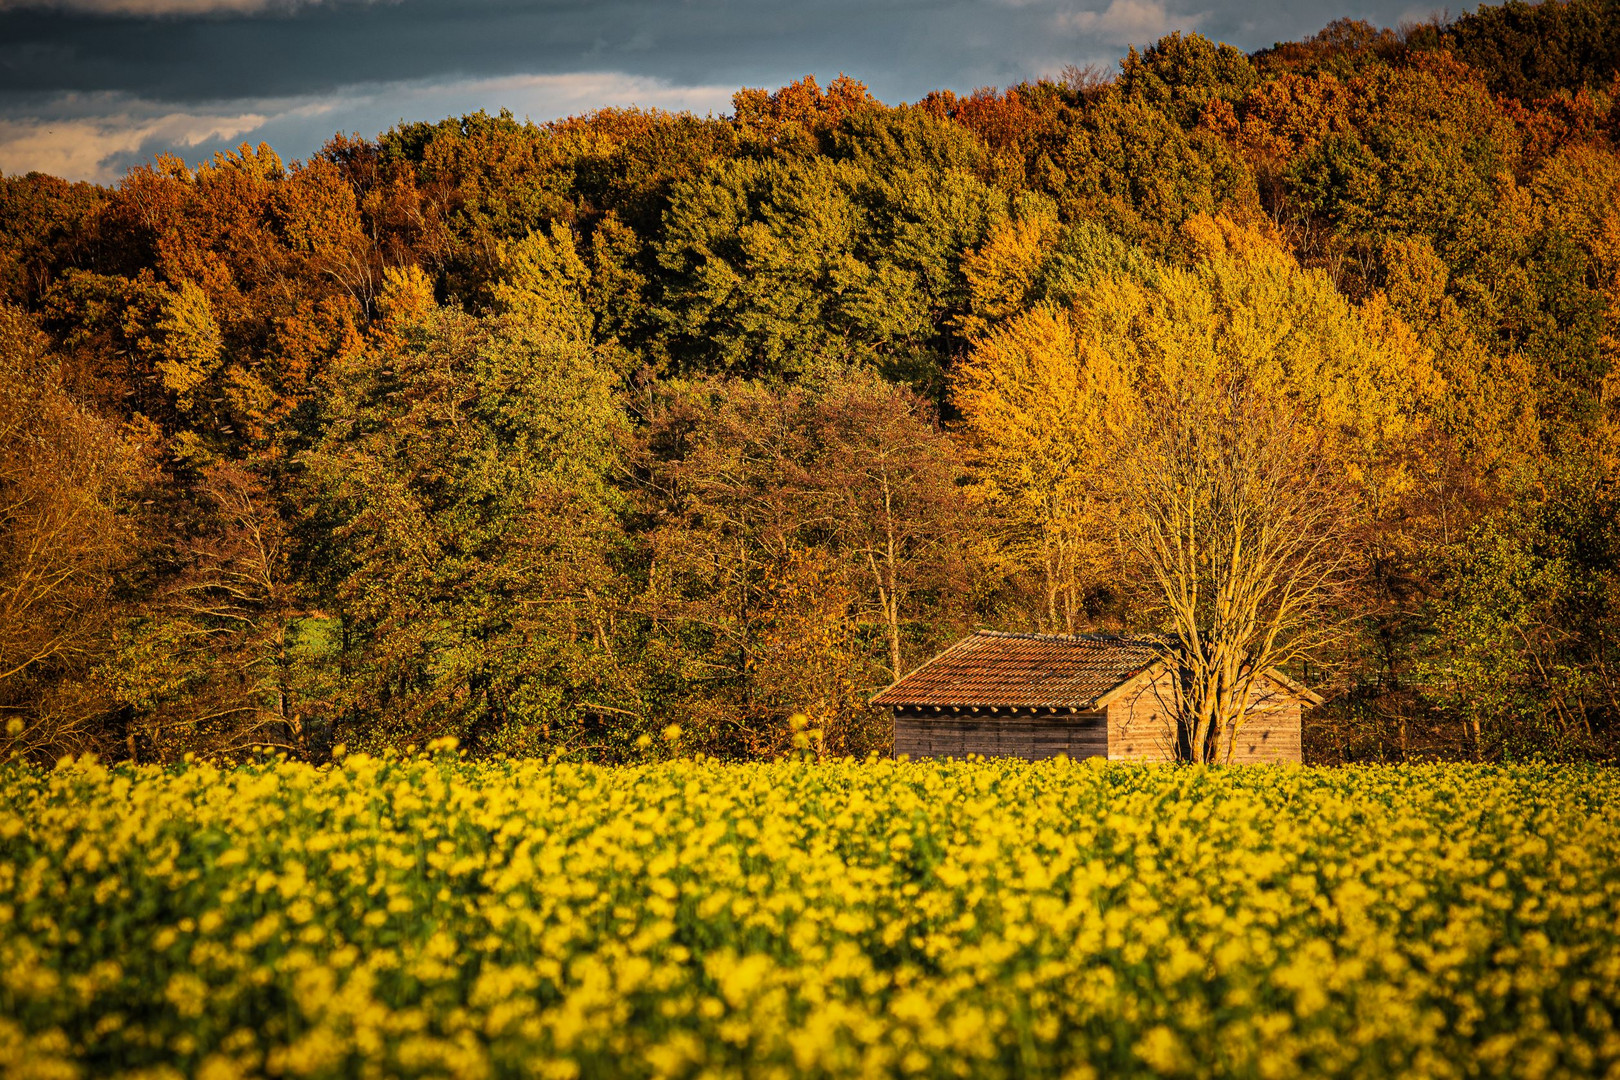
1022, 735
1138, 728
1271, 731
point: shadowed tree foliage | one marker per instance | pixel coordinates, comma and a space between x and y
807, 536
1539, 50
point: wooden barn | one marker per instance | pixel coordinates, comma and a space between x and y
1086, 695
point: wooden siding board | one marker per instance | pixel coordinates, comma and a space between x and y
1138, 728
1271, 733
1023, 736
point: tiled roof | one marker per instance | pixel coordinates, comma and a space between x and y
995, 668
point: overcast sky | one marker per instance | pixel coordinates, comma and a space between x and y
90, 87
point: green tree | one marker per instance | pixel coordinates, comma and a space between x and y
785, 267
1536, 50
1530, 657
463, 520
1182, 74
1133, 168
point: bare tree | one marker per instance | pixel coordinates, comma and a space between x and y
230, 610
1088, 81
1237, 520
890, 482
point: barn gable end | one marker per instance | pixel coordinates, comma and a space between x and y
1139, 726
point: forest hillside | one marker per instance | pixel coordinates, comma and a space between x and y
636, 428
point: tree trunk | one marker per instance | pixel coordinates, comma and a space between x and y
891, 599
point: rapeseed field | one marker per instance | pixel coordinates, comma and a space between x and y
429, 916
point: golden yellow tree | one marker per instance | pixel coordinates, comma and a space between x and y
1279, 421
1221, 424
188, 348
1042, 409
543, 284
1001, 272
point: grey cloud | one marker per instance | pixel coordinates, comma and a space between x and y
326, 46
902, 47
87, 145
148, 8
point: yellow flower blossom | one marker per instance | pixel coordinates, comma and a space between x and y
425, 915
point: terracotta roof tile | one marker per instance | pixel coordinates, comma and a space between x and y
995, 668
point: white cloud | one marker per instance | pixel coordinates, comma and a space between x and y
81, 148
95, 137
1127, 22
547, 97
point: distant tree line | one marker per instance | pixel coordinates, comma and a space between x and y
559, 438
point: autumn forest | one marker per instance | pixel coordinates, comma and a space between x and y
635, 428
